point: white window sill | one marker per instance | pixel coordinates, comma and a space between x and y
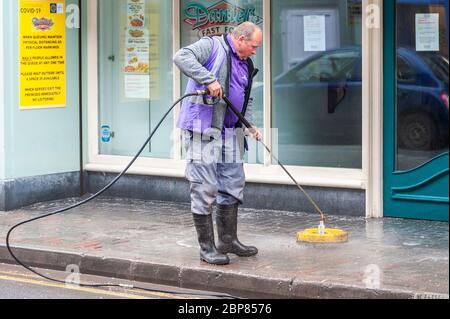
305, 176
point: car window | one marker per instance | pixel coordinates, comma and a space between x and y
329, 67
438, 65
405, 71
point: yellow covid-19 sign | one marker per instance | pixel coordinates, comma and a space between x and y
42, 54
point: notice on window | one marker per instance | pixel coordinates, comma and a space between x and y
137, 86
315, 36
137, 51
427, 32
42, 56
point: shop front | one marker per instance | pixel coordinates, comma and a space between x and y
308, 96
335, 97
314, 100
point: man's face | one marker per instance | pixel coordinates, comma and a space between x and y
247, 48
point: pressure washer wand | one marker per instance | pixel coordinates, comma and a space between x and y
250, 127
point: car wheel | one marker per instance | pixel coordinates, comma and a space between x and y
417, 131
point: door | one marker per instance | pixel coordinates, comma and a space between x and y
135, 76
416, 108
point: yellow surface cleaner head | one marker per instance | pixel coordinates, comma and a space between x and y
322, 235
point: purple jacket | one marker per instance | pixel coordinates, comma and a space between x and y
204, 62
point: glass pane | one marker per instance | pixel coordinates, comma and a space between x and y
135, 76
316, 82
422, 82
211, 18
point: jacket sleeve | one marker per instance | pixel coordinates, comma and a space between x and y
249, 111
190, 61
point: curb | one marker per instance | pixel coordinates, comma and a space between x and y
233, 283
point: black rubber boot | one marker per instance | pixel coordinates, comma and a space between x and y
226, 221
205, 231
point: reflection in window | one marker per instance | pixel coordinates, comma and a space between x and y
337, 66
405, 72
316, 95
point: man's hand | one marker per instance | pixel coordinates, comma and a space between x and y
253, 132
215, 89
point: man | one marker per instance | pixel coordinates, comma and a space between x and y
214, 138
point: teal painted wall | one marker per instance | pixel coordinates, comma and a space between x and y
36, 142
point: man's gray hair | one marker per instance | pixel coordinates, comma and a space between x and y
246, 29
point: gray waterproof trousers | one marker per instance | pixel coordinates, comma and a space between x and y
214, 169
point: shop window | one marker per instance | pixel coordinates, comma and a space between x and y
215, 18
316, 82
135, 76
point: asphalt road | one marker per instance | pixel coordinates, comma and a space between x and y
18, 283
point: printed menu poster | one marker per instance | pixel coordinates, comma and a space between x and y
137, 55
42, 54
315, 36
427, 32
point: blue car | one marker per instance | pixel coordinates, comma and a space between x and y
318, 101
422, 99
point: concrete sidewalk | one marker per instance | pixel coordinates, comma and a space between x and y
156, 242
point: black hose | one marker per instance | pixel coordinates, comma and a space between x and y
249, 126
104, 189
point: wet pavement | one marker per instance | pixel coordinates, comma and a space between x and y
156, 242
